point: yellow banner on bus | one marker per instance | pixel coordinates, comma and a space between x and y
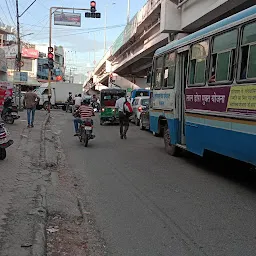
242, 97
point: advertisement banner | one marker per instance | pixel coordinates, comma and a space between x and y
67, 19
239, 99
11, 51
30, 53
210, 98
242, 99
6, 89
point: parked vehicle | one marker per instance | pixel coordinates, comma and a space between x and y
139, 93
144, 118
59, 94
85, 132
138, 104
108, 101
5, 141
204, 90
10, 111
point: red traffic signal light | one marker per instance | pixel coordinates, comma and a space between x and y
50, 55
93, 6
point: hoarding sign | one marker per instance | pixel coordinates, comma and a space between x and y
30, 53
67, 19
20, 76
11, 51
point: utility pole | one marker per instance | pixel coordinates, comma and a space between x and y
18, 58
105, 30
94, 61
128, 11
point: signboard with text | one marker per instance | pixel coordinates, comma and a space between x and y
239, 99
20, 77
11, 51
67, 19
30, 53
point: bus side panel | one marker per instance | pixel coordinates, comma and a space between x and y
153, 121
173, 125
238, 144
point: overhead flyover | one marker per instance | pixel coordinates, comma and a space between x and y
155, 25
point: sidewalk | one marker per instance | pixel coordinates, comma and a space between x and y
21, 178
39, 198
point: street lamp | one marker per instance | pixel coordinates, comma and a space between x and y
128, 11
105, 28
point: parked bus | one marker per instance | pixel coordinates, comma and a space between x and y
203, 90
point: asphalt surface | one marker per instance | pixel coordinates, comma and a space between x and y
145, 202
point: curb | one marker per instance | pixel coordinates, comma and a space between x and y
39, 242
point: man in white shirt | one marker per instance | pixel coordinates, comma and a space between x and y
123, 118
78, 101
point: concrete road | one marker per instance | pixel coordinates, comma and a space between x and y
145, 202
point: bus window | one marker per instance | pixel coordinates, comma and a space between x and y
158, 73
169, 70
223, 57
248, 53
199, 54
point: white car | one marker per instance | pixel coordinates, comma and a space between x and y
138, 105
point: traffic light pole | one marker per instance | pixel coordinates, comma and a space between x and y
50, 45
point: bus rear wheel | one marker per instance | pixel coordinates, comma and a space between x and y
169, 148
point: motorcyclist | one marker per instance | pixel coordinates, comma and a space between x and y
84, 112
7, 104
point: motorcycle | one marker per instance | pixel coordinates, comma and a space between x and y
95, 106
10, 111
5, 141
85, 132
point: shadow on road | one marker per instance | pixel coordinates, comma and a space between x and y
225, 167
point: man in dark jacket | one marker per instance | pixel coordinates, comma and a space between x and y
30, 101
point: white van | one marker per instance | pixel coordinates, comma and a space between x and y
59, 93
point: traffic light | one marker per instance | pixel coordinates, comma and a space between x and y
50, 58
93, 13
93, 6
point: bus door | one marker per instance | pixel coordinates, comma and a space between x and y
183, 60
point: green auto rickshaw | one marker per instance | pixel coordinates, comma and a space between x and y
108, 98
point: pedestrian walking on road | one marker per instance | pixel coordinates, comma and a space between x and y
123, 116
69, 101
30, 101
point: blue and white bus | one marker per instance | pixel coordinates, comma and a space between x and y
203, 90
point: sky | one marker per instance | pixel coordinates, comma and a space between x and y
80, 43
